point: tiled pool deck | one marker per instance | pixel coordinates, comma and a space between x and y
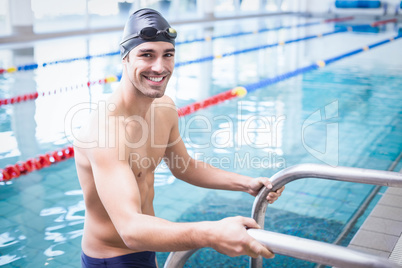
381, 233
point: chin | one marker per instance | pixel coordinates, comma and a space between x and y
159, 96
156, 94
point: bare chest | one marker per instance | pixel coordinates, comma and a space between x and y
145, 148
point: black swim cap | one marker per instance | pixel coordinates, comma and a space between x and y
145, 18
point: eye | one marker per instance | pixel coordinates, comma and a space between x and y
146, 55
169, 54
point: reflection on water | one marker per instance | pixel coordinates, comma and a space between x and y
42, 216
42, 213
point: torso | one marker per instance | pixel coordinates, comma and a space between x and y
100, 236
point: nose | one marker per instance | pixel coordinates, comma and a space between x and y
158, 65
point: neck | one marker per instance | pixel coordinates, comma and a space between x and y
132, 101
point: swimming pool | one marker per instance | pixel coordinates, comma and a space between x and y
348, 114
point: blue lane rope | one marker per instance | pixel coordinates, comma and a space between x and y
209, 58
251, 87
34, 66
210, 38
8, 173
319, 64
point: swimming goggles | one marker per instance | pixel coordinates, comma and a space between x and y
149, 33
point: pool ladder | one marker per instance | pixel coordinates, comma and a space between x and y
301, 248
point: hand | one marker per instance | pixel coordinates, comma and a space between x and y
258, 183
231, 238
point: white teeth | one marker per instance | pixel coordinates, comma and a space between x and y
155, 79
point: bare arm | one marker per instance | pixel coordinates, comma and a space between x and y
120, 195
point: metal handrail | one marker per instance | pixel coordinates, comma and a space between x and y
301, 248
318, 252
302, 171
179, 258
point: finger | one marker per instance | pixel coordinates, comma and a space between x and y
265, 253
252, 253
272, 196
280, 190
257, 249
266, 182
249, 223
271, 200
276, 194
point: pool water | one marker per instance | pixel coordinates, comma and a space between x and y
348, 113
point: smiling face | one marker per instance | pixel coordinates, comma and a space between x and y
149, 67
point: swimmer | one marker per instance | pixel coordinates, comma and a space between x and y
116, 158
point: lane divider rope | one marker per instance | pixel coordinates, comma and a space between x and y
211, 38
36, 163
21, 168
116, 78
339, 29
34, 66
33, 96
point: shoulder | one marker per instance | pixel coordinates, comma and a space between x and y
165, 106
165, 100
98, 135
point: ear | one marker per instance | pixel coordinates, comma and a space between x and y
126, 58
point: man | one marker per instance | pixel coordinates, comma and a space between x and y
141, 123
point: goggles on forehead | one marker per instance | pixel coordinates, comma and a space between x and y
149, 33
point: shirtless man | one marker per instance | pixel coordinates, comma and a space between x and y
120, 224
